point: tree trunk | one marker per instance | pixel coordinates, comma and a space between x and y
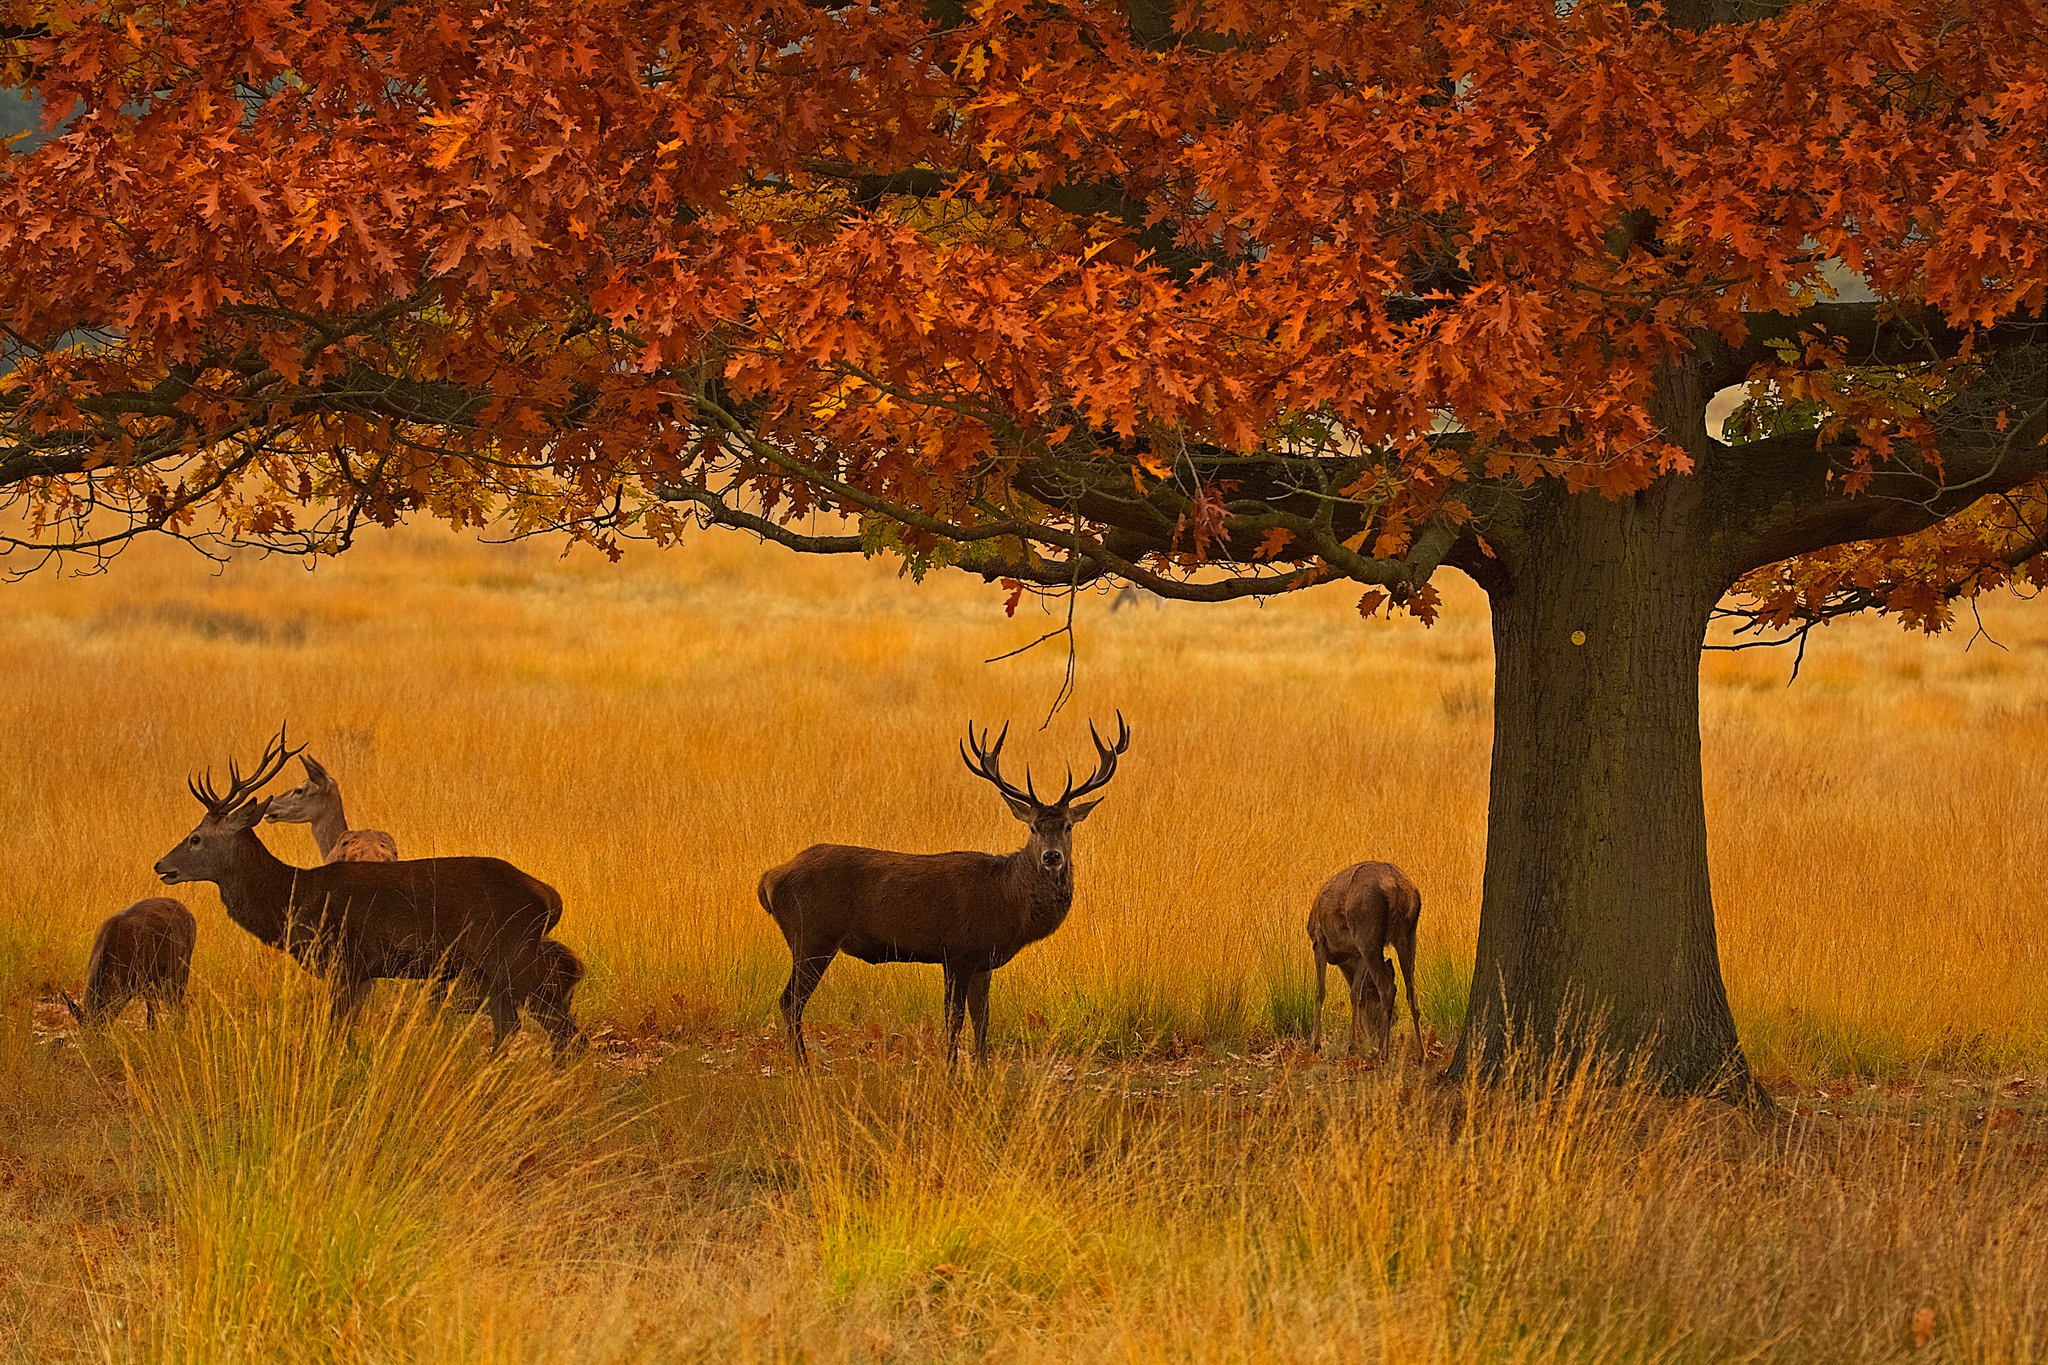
1596, 926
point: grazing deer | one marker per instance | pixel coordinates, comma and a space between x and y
145, 950
317, 802
967, 912
480, 919
1359, 914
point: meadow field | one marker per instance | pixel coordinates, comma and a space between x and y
1153, 1168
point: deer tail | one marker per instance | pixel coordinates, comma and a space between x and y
764, 891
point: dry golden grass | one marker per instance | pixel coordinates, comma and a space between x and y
650, 736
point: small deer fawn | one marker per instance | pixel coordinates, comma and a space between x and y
145, 950
967, 912
1359, 914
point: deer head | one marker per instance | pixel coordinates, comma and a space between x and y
1051, 822
308, 801
208, 852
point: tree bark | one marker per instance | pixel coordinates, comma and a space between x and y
1596, 926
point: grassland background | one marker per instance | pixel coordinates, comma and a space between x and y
649, 736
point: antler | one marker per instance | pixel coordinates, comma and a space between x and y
1105, 766
987, 764
240, 788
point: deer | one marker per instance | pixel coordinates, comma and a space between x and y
479, 919
145, 950
1356, 916
968, 913
317, 802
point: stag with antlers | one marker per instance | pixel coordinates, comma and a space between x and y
480, 919
968, 913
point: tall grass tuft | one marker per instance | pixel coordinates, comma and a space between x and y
1569, 1212
333, 1198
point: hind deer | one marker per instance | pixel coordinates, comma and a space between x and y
1359, 914
317, 802
479, 919
145, 950
968, 913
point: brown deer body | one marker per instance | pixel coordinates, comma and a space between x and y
478, 919
145, 950
967, 913
317, 802
1359, 914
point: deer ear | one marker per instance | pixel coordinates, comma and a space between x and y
1079, 813
314, 770
247, 814
1023, 810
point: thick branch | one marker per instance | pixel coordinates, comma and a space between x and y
719, 512
1086, 565
1874, 335
1087, 555
1783, 496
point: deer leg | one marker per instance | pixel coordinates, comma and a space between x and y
977, 1008
560, 1024
115, 1003
956, 1012
149, 1009
1404, 947
1315, 1035
504, 1016
1353, 985
805, 971
348, 997
1383, 1004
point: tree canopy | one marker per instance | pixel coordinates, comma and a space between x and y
1054, 290
1224, 299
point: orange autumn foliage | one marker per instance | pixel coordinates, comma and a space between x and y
1050, 291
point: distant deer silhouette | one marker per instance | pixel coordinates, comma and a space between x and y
317, 802
480, 919
1359, 914
969, 913
145, 950
1130, 594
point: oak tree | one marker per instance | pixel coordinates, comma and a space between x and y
1224, 299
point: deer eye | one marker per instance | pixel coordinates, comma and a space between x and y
194, 841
